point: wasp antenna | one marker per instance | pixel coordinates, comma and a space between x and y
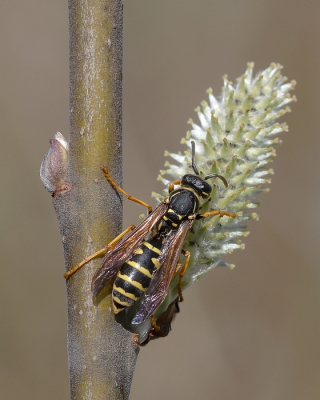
193, 158
218, 176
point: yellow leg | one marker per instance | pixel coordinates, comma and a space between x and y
98, 253
154, 324
171, 186
215, 212
178, 267
182, 272
112, 182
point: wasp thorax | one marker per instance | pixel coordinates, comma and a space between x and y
198, 184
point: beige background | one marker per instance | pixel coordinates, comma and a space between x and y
249, 334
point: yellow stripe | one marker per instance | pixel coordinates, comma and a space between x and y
165, 218
116, 309
122, 303
194, 206
139, 268
191, 190
173, 224
155, 249
156, 262
170, 211
129, 295
138, 251
133, 283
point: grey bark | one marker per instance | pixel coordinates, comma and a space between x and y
101, 353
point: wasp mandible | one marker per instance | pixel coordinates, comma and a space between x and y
144, 263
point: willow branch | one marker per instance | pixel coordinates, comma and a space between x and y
101, 353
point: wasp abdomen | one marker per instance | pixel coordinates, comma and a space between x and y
135, 275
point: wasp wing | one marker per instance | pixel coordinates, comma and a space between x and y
117, 255
159, 285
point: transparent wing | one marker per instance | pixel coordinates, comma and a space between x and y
116, 256
159, 285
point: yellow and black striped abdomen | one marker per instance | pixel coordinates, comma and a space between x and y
135, 275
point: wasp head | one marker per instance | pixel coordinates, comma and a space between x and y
198, 184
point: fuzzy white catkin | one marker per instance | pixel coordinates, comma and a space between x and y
236, 138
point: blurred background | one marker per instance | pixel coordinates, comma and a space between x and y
247, 334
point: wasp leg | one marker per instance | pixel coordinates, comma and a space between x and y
153, 332
112, 182
178, 267
182, 272
98, 253
145, 342
136, 340
215, 212
171, 186
154, 324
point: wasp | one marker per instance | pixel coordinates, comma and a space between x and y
163, 325
143, 264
